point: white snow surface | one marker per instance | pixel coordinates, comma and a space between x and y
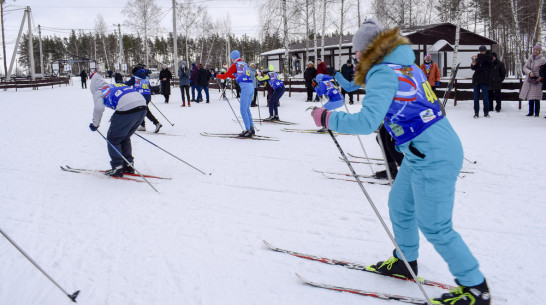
200, 240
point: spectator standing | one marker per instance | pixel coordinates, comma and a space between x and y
308, 75
118, 78
202, 80
481, 64
348, 72
321, 67
252, 69
193, 81
532, 90
165, 77
432, 72
184, 82
498, 73
83, 76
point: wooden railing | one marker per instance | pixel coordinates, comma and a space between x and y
462, 90
42, 82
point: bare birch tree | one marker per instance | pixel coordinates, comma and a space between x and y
143, 16
186, 20
100, 32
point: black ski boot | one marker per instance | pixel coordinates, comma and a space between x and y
475, 295
128, 169
246, 134
276, 118
395, 267
252, 130
115, 172
270, 118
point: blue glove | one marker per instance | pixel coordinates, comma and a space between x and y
437, 84
93, 127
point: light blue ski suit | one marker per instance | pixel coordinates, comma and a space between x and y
423, 193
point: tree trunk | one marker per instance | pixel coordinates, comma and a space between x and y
323, 29
517, 53
341, 35
457, 36
286, 69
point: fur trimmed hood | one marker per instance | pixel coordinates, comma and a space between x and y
376, 51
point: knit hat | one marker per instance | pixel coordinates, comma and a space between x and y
482, 49
235, 54
538, 46
319, 59
366, 34
494, 54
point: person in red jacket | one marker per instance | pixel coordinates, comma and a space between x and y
321, 67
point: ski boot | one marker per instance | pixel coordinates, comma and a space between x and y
115, 172
475, 295
245, 134
141, 128
128, 169
394, 267
157, 127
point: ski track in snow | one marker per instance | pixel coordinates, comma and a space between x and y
200, 240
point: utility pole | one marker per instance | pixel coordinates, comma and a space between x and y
30, 46
41, 54
175, 37
8, 73
3, 36
121, 59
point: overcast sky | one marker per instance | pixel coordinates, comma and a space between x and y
56, 17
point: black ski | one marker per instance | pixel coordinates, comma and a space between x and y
351, 265
96, 173
315, 131
236, 136
379, 295
125, 174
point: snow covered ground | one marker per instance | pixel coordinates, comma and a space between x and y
200, 240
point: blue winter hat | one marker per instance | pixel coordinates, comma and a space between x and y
235, 54
322, 77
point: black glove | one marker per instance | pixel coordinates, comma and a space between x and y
93, 127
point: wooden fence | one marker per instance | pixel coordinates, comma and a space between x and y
462, 90
42, 82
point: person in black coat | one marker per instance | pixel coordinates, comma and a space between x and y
481, 64
309, 75
348, 72
118, 78
202, 80
497, 75
165, 77
83, 75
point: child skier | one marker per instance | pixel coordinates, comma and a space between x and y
141, 83
278, 90
130, 109
240, 71
422, 196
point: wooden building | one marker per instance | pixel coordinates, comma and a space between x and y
435, 39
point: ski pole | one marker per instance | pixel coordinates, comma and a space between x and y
161, 113
172, 155
473, 162
360, 140
124, 159
70, 296
403, 257
258, 103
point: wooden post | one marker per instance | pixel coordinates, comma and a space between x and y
455, 97
289, 87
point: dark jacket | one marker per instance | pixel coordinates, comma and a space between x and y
482, 69
118, 78
83, 75
165, 84
309, 74
193, 74
202, 78
347, 72
498, 73
542, 74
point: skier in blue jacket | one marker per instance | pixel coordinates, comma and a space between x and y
141, 83
422, 196
130, 109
